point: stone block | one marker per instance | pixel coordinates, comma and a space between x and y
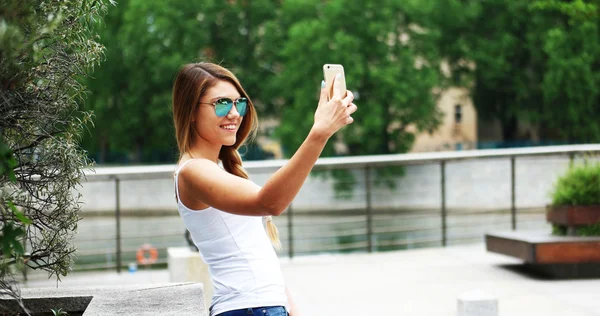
186, 265
477, 303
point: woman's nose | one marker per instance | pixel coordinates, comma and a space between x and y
233, 113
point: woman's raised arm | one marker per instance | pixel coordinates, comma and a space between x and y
207, 182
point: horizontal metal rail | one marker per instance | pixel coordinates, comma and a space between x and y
358, 162
366, 224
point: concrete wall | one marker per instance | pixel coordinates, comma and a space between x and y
481, 184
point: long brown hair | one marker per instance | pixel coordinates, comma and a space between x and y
191, 83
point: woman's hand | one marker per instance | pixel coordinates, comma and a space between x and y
334, 114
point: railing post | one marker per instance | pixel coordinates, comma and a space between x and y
369, 209
513, 203
444, 215
118, 218
290, 231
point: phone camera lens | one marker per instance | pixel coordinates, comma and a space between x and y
328, 67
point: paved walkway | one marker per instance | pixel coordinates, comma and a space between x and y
414, 282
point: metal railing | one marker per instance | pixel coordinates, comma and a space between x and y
364, 227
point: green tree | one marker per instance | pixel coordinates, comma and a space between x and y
147, 42
497, 39
107, 88
390, 63
46, 47
527, 62
571, 80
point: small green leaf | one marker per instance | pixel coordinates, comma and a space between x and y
22, 218
10, 239
11, 176
18, 247
6, 238
6, 250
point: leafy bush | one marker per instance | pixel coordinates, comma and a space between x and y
579, 186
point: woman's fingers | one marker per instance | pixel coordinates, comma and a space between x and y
332, 114
323, 96
352, 108
349, 97
337, 87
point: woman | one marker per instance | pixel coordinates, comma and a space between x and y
221, 208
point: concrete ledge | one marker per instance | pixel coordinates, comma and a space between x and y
166, 299
186, 265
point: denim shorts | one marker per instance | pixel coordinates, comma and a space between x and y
258, 311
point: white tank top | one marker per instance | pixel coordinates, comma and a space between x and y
243, 265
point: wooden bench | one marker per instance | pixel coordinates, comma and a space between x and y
555, 256
558, 256
545, 249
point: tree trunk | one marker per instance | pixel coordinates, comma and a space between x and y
510, 129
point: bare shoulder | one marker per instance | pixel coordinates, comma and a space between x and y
204, 181
202, 174
200, 167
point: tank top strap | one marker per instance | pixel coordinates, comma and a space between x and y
176, 176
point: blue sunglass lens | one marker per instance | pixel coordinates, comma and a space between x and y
242, 106
223, 106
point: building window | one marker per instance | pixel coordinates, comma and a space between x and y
457, 113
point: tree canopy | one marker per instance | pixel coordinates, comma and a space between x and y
532, 63
536, 62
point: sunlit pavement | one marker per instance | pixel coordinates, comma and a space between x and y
413, 282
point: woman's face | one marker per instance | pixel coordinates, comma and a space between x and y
211, 128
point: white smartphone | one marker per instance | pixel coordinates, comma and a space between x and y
329, 72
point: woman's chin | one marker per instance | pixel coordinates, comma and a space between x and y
229, 142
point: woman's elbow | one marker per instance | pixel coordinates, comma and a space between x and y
269, 206
273, 209
278, 211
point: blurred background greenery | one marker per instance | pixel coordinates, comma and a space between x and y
530, 68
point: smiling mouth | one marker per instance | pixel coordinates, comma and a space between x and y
229, 127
